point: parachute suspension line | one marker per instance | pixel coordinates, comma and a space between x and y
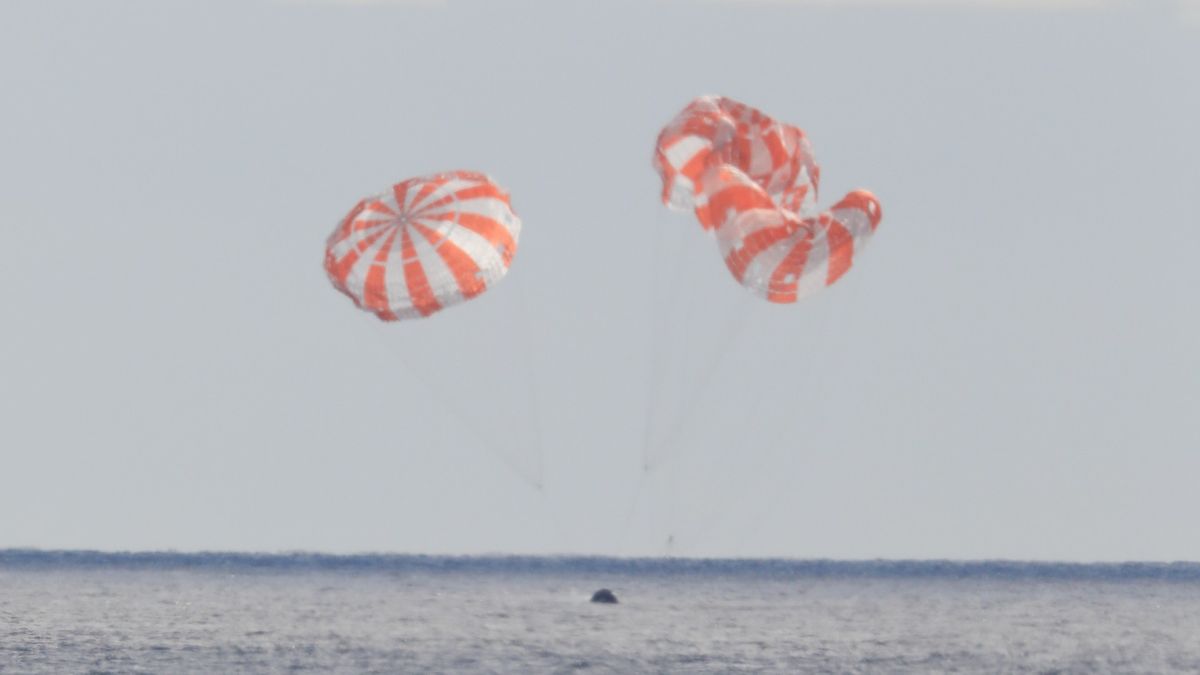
674, 350
728, 339
445, 401
654, 338
735, 485
665, 299
679, 315
678, 336
807, 395
534, 399
670, 508
552, 516
655, 372
839, 323
743, 322
660, 320
811, 396
633, 504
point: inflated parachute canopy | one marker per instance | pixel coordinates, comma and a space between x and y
775, 253
753, 181
715, 130
425, 244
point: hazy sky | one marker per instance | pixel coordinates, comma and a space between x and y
1009, 371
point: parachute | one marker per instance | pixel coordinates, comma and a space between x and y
424, 245
775, 253
753, 181
714, 131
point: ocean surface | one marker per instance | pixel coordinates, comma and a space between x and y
75, 612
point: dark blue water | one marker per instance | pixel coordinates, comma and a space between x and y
31, 559
219, 612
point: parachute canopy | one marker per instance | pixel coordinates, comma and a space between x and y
425, 244
714, 130
774, 252
753, 181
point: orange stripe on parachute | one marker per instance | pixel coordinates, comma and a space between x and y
426, 190
732, 192
668, 175
340, 269
737, 199
375, 294
481, 190
419, 290
841, 248
462, 266
793, 264
864, 201
377, 206
775, 146
488, 228
739, 258
400, 192
694, 168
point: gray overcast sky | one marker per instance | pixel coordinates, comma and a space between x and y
1009, 371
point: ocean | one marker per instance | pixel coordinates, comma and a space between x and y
88, 612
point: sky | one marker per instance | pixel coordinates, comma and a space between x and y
1010, 370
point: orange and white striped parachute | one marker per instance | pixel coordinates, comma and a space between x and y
425, 244
776, 253
754, 181
714, 130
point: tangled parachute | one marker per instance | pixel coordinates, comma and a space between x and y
425, 244
754, 182
714, 131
